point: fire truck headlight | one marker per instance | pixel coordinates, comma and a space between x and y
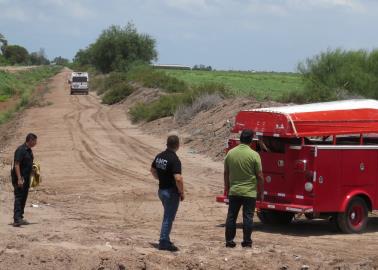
309, 186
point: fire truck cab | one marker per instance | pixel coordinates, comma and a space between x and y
320, 160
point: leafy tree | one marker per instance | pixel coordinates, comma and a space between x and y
39, 58
340, 74
61, 61
15, 54
117, 48
83, 57
3, 41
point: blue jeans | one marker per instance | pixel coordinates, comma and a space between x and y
170, 199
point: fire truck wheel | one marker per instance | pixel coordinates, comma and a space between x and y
355, 217
275, 217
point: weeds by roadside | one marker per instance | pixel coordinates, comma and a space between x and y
117, 93
22, 85
168, 105
203, 102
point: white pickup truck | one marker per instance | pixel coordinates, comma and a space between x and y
79, 82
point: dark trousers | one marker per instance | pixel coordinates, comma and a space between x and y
20, 197
235, 203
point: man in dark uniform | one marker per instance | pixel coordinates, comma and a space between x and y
166, 167
23, 165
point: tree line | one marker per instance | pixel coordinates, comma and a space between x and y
19, 55
330, 75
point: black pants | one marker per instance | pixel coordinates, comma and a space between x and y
235, 203
20, 197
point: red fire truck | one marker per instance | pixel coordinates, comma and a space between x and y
319, 160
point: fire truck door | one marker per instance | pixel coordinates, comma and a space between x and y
327, 180
359, 170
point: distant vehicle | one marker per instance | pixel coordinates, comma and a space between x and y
79, 82
319, 160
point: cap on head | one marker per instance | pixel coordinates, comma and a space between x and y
246, 136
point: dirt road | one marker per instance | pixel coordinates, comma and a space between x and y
98, 209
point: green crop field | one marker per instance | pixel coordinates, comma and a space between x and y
260, 85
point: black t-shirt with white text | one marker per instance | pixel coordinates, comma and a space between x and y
167, 164
24, 155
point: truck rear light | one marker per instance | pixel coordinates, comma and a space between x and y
309, 186
300, 165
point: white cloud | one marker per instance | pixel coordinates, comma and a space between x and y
353, 5
15, 14
287, 7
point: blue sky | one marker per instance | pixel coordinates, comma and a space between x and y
239, 34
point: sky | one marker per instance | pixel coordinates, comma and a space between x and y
262, 35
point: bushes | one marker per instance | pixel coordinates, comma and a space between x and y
203, 102
338, 74
118, 85
170, 104
103, 83
115, 87
164, 106
117, 93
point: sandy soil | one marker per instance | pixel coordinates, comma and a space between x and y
97, 207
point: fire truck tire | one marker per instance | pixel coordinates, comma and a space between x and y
355, 217
275, 217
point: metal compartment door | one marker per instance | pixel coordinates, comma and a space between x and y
327, 180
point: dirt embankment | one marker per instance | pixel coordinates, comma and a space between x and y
97, 207
206, 132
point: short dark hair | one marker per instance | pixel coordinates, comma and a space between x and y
30, 137
173, 141
246, 136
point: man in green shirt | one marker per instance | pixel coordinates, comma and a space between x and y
242, 173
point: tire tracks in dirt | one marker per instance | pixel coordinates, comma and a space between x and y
84, 141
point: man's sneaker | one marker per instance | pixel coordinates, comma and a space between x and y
169, 247
230, 244
24, 222
246, 244
17, 224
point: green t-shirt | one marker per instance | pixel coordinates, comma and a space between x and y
243, 165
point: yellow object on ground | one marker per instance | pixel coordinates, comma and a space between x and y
35, 178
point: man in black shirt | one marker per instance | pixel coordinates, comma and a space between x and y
166, 167
23, 165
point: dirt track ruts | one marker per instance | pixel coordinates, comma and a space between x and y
97, 206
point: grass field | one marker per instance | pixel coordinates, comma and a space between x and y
259, 85
21, 85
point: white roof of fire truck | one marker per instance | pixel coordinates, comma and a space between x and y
317, 119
